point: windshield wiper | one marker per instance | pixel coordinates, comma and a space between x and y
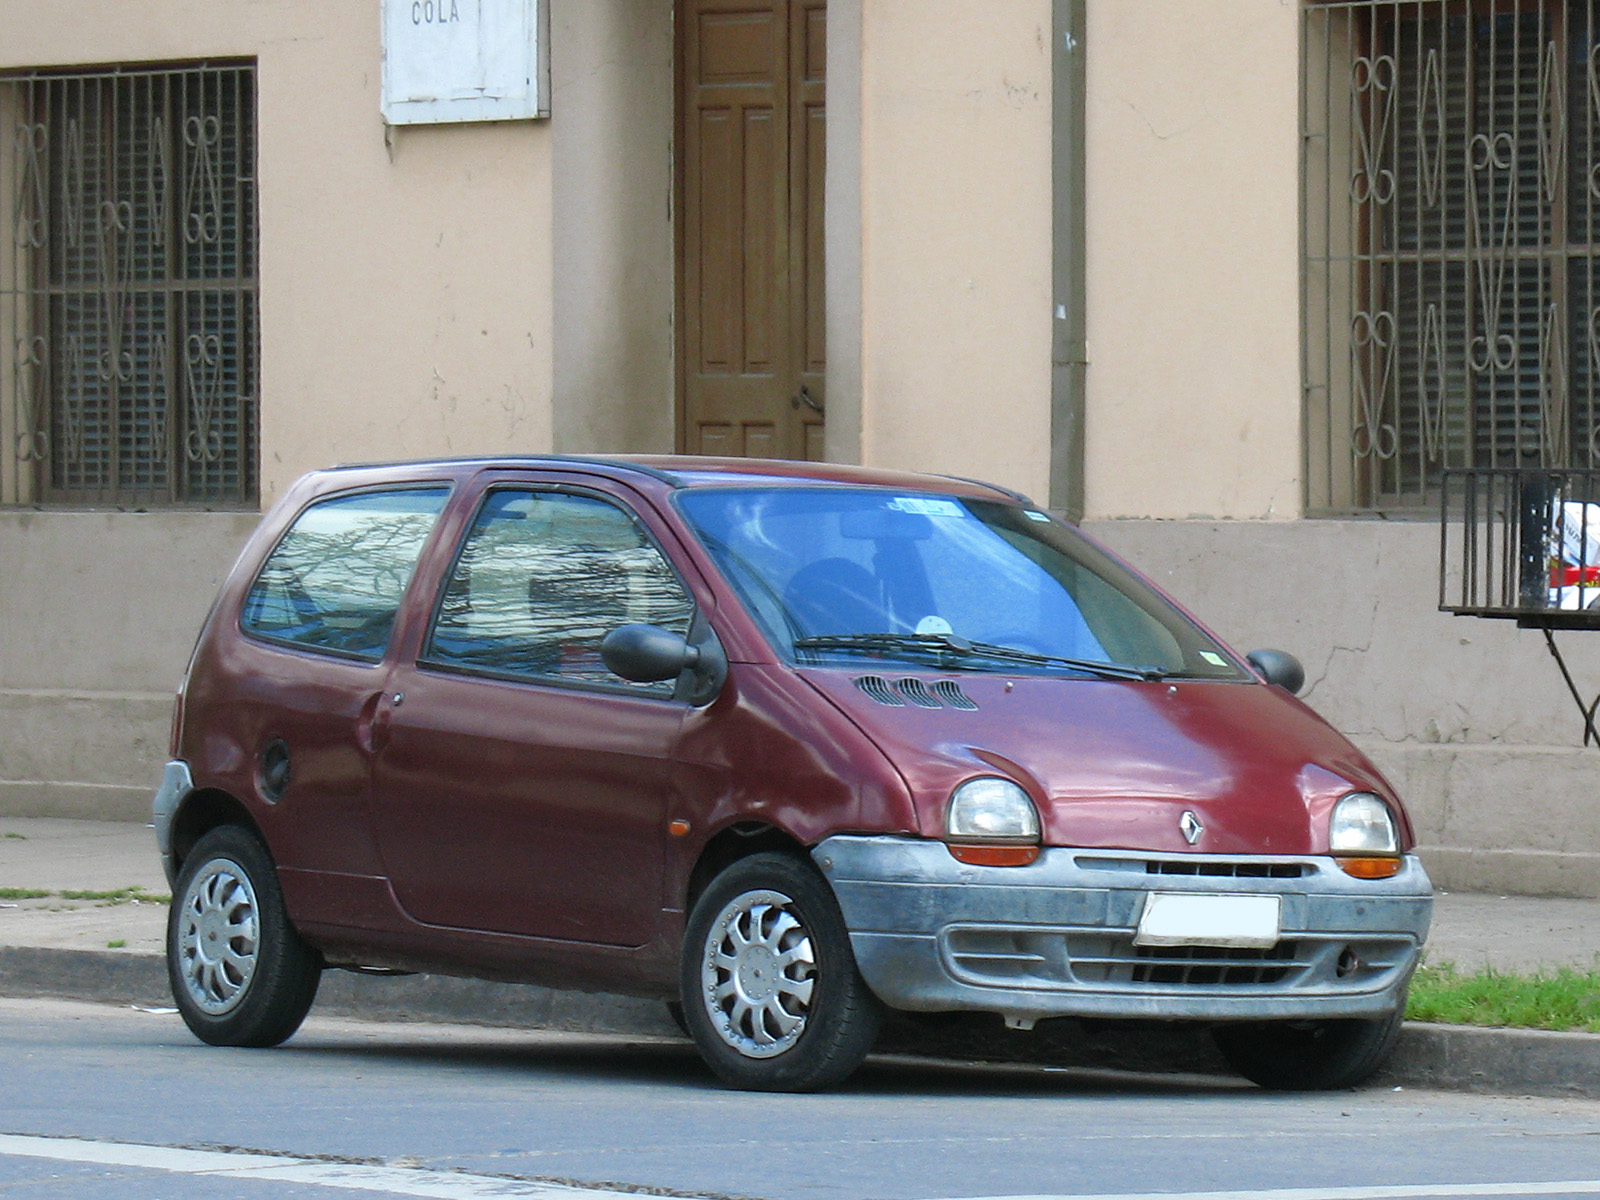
960, 647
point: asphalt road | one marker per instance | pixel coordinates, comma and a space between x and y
98, 1102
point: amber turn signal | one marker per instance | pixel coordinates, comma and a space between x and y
678, 827
993, 856
1369, 866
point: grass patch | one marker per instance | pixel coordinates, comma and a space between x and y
126, 895
117, 944
1565, 999
16, 836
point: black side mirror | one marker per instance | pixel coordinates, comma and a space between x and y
1279, 667
647, 653
651, 654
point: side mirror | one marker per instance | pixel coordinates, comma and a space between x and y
647, 653
1279, 667
651, 654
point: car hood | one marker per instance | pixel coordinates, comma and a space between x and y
1114, 764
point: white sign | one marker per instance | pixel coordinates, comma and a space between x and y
465, 60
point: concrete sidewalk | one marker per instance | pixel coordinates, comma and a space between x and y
97, 934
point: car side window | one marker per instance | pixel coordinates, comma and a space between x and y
335, 580
542, 578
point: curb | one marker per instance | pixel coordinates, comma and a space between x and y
1444, 1057
1518, 1062
106, 977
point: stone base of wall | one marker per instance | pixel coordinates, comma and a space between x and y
84, 755
1496, 818
98, 612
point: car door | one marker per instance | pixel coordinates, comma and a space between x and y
301, 685
519, 786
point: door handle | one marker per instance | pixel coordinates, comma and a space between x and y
372, 723
803, 396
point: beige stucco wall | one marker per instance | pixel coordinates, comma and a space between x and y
611, 79
405, 282
1193, 393
955, 237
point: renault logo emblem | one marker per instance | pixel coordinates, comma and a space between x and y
1192, 829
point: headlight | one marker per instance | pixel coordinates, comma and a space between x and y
1363, 836
992, 810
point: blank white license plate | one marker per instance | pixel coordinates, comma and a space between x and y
1203, 919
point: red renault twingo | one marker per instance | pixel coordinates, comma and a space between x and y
787, 744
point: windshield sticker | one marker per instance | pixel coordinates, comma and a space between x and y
1036, 516
1216, 660
926, 506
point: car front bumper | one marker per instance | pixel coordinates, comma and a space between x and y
1055, 938
176, 783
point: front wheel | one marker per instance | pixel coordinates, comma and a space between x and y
1308, 1055
771, 993
239, 971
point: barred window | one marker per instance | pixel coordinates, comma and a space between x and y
1452, 235
128, 287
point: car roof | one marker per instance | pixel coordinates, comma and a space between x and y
697, 471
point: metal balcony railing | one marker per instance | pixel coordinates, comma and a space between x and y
1522, 544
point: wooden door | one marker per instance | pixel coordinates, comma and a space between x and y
750, 168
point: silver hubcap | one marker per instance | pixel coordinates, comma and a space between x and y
218, 936
758, 974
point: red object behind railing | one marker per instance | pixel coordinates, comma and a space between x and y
1570, 575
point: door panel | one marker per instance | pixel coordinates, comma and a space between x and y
528, 809
519, 786
751, 270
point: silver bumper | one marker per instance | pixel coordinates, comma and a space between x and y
1055, 938
176, 783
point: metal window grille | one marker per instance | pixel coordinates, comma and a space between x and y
1451, 232
128, 287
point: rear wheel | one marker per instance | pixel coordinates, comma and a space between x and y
771, 993
1308, 1055
240, 973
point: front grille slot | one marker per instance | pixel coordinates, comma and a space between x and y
1213, 964
1228, 870
1066, 958
1113, 958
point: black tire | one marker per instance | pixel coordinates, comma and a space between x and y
240, 973
675, 1011
1308, 1056
814, 1019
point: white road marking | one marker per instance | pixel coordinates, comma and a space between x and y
1408, 1191
452, 1185
356, 1177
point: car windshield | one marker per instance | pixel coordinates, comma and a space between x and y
833, 574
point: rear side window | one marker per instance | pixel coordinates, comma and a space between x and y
542, 578
335, 581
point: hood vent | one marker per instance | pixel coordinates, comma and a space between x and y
917, 692
878, 688
950, 692
895, 695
